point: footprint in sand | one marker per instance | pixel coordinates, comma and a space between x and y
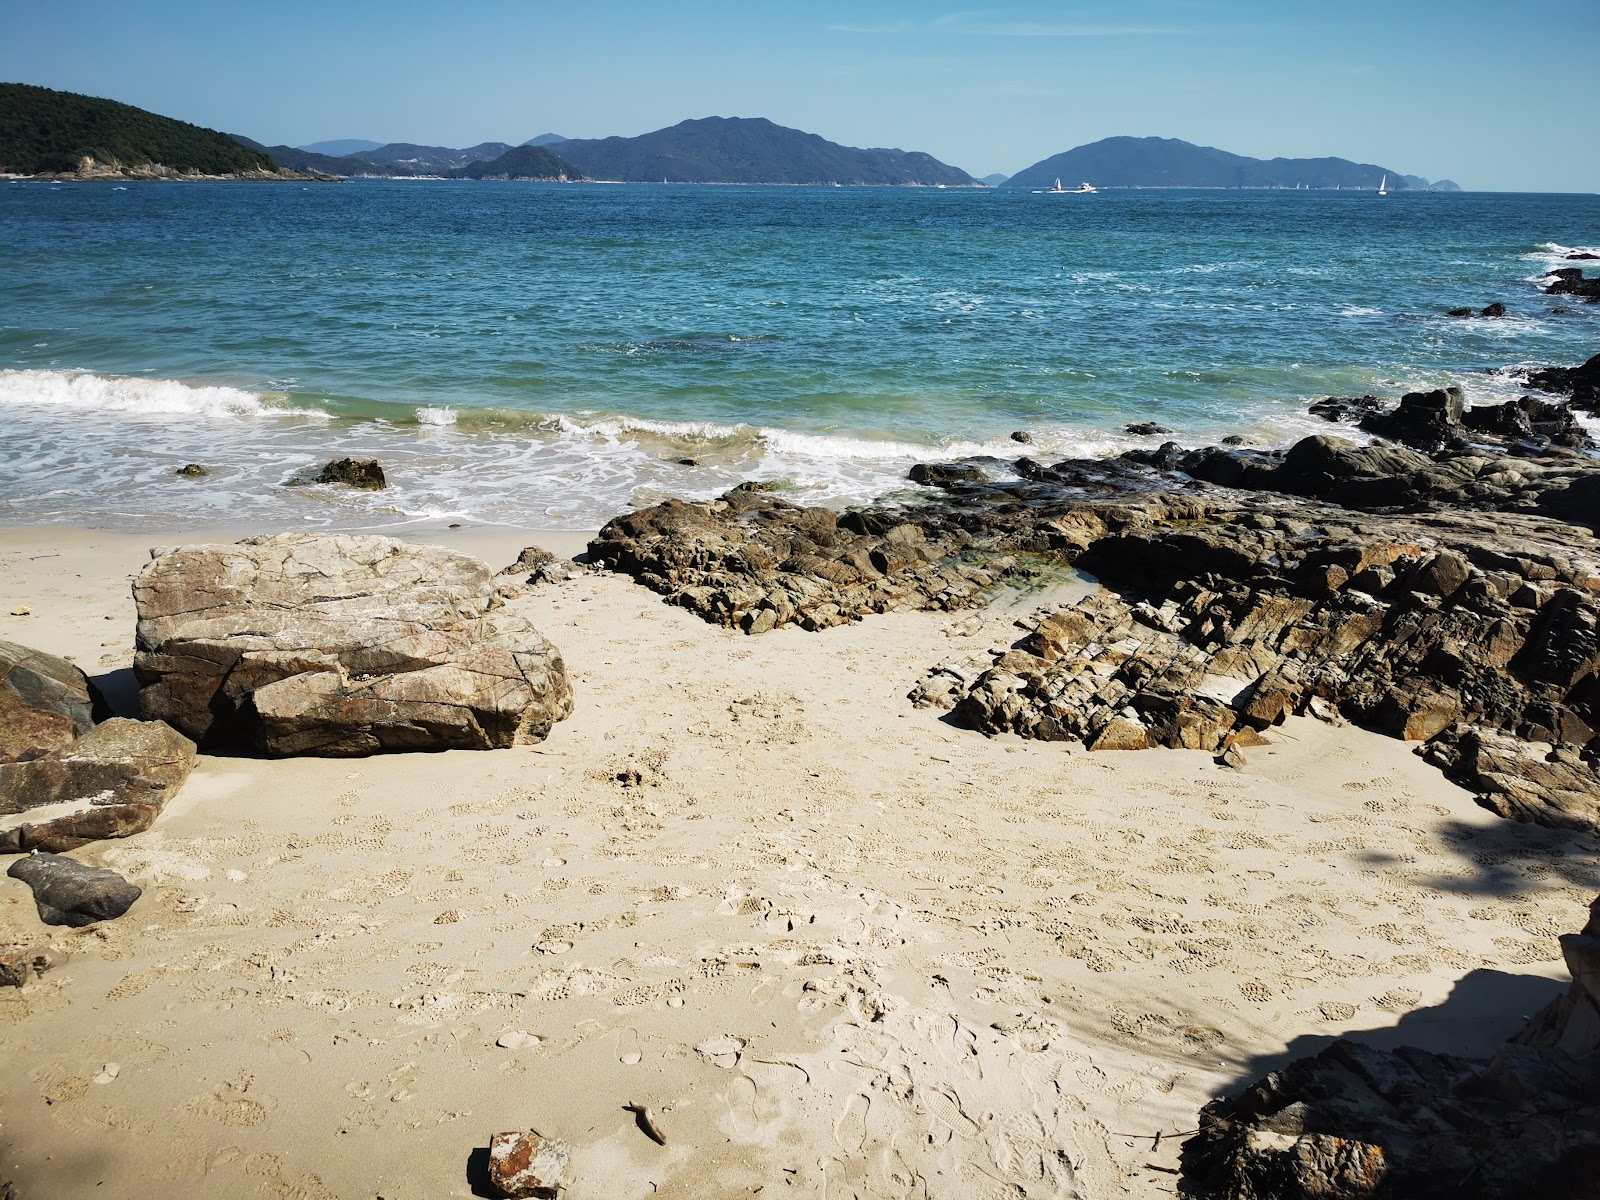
850, 1130
628, 1047
756, 1096
944, 1107
721, 1051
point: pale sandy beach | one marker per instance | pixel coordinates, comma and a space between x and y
838, 946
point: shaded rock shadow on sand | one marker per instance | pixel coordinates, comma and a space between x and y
1506, 860
1482, 1011
478, 1175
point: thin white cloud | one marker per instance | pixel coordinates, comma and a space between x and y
974, 24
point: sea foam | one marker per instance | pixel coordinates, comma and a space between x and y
87, 392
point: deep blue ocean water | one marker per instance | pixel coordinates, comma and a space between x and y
546, 355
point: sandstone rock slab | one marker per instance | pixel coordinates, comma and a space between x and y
45, 703
339, 645
111, 782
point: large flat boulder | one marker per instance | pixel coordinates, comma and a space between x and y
45, 702
339, 645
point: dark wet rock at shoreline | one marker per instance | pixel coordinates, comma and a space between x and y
944, 474
1581, 383
1570, 281
357, 473
1347, 409
339, 645
68, 892
1358, 1123
1145, 429
192, 471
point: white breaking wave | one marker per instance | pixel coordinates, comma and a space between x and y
436, 414
87, 392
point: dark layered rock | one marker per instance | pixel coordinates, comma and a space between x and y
1357, 1123
68, 892
756, 562
944, 474
1427, 421
1582, 383
357, 473
1456, 643
1569, 281
1489, 310
46, 703
1345, 408
112, 782
305, 644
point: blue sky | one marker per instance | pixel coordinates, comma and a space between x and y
1496, 94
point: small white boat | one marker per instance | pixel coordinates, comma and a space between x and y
1082, 189
1383, 187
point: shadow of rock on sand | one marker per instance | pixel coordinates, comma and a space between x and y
1482, 1011
1508, 859
120, 690
478, 1174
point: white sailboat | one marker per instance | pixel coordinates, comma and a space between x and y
1383, 187
1081, 190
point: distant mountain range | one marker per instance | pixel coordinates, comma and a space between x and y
297, 159
42, 130
1151, 162
340, 147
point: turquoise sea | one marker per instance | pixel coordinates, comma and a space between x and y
548, 355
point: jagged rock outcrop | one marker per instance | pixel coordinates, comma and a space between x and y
1357, 1123
753, 561
339, 645
1582, 383
111, 782
46, 703
1329, 578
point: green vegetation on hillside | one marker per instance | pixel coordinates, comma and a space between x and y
520, 162
45, 130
